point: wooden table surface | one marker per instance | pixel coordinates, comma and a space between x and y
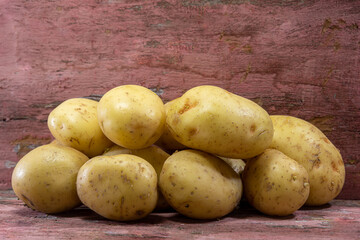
338, 220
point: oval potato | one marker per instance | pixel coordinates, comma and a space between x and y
74, 123
131, 116
303, 142
200, 185
214, 120
45, 178
275, 184
121, 187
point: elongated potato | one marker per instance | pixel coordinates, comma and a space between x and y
154, 155
303, 142
74, 123
275, 184
200, 185
216, 121
45, 178
121, 187
131, 116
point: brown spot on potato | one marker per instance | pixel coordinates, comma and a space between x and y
316, 163
187, 106
268, 186
334, 166
143, 196
74, 140
252, 128
126, 179
322, 179
192, 131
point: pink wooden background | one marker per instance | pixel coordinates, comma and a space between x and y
292, 57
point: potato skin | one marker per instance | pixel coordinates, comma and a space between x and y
303, 142
275, 184
121, 187
45, 178
200, 185
214, 120
167, 141
131, 116
74, 123
154, 155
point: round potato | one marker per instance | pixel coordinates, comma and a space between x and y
200, 185
154, 155
303, 142
275, 184
45, 178
74, 123
131, 116
216, 121
167, 141
121, 187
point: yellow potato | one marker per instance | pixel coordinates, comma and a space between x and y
303, 142
121, 187
45, 178
200, 185
275, 184
131, 116
154, 155
74, 123
167, 141
216, 121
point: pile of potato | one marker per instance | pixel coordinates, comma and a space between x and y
222, 146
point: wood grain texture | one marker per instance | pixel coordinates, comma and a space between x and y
337, 220
292, 57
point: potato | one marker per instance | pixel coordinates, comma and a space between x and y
45, 178
303, 142
154, 155
275, 184
74, 123
216, 121
121, 187
167, 141
131, 116
200, 185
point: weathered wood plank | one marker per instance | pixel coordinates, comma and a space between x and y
292, 57
337, 220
